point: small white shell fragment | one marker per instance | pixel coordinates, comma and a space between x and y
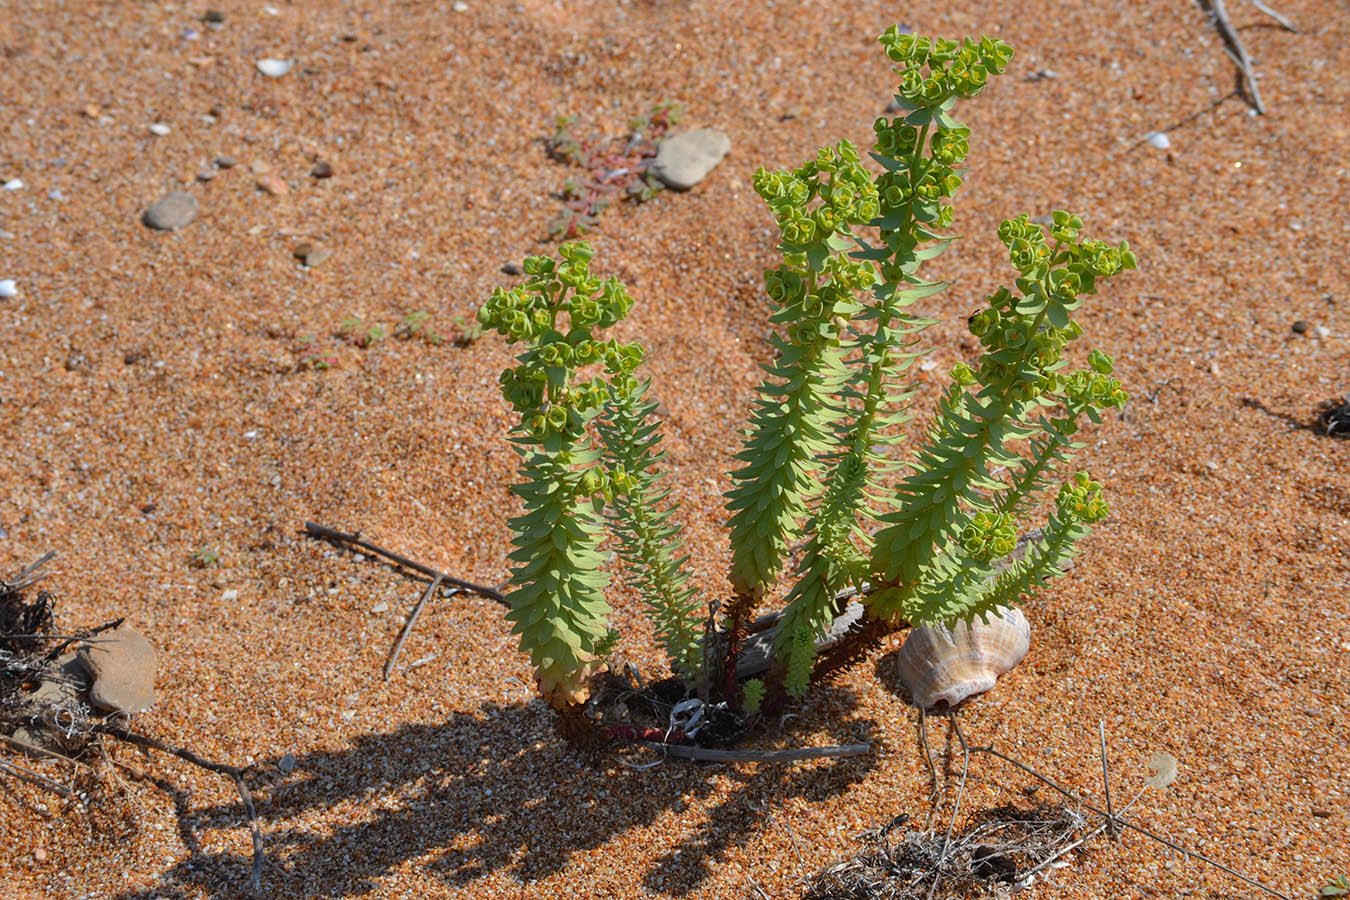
8, 288
1162, 769
14, 184
460, 6
940, 665
1322, 331
1158, 139
159, 128
274, 68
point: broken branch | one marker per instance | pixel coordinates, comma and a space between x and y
324, 533
234, 772
705, 754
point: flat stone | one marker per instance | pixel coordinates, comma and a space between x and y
174, 210
122, 665
310, 255
686, 159
56, 696
273, 185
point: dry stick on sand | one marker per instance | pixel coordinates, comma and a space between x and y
408, 625
29, 575
956, 810
1219, 15
704, 754
932, 769
1123, 822
324, 533
234, 772
1285, 23
1106, 782
28, 775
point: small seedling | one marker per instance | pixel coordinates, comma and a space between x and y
360, 332
468, 331
309, 359
205, 557
414, 325
1336, 887
616, 168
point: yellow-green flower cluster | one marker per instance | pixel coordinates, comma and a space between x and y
1083, 261
1081, 500
562, 295
989, 535
954, 69
836, 178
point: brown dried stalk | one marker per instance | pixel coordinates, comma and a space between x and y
234, 772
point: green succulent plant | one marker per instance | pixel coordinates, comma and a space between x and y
926, 540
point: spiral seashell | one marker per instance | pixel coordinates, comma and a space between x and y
941, 665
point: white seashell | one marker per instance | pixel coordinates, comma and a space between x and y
274, 68
1158, 139
946, 665
8, 288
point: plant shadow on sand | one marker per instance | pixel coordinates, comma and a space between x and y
482, 792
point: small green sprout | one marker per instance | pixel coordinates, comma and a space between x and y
205, 557
357, 331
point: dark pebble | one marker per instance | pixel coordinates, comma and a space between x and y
321, 170
511, 269
225, 162
1300, 327
214, 16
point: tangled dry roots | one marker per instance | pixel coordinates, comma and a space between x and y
996, 852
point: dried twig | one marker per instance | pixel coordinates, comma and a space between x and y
324, 533
933, 798
1106, 782
1125, 823
956, 810
28, 775
1284, 23
1219, 15
705, 754
1025, 877
28, 575
234, 772
25, 747
408, 626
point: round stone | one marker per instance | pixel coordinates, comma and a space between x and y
122, 665
686, 159
174, 210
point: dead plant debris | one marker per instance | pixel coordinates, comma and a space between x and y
999, 851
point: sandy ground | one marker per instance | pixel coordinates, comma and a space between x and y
154, 403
